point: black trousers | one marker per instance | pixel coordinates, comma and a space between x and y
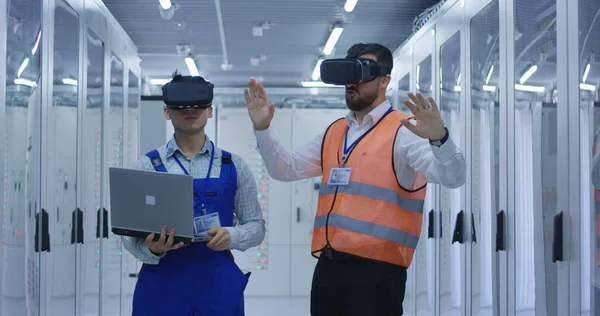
349, 286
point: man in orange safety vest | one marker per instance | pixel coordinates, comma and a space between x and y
375, 164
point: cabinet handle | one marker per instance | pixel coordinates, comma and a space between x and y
430, 225
297, 215
473, 232
458, 229
441, 224
77, 227
500, 229
44, 232
557, 243
104, 224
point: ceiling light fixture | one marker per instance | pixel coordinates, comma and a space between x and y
333, 38
191, 64
587, 86
25, 82
22, 67
487, 80
520, 87
37, 43
528, 74
69, 82
317, 71
165, 4
586, 72
350, 5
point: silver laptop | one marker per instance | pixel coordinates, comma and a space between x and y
142, 202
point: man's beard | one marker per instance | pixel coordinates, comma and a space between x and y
359, 102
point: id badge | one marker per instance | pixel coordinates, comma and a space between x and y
202, 224
339, 176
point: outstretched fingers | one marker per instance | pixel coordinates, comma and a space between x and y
434, 107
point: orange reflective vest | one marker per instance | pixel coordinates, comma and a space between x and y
372, 216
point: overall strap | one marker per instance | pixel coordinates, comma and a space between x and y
227, 166
156, 161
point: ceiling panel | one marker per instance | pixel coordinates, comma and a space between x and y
287, 51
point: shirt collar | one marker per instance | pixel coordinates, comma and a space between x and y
172, 147
373, 117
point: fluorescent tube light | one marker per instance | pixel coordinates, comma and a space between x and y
350, 4
70, 82
318, 84
457, 88
317, 71
487, 79
525, 88
333, 38
191, 64
37, 43
160, 82
588, 87
489, 88
165, 4
457, 80
528, 74
586, 72
462, 4
22, 67
25, 82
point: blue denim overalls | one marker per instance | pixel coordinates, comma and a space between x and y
195, 280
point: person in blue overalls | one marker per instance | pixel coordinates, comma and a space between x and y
199, 278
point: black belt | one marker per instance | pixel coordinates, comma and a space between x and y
336, 255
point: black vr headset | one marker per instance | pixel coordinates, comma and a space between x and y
188, 92
351, 70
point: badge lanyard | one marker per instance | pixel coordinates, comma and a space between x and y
212, 157
346, 149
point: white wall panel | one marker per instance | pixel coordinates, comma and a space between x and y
269, 262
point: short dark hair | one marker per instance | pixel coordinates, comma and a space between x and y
383, 54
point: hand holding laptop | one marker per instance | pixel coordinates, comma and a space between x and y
220, 240
163, 244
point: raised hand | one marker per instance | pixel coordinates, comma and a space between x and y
163, 244
429, 121
260, 110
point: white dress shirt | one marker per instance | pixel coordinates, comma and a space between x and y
444, 165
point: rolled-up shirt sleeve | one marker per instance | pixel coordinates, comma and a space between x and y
287, 165
443, 165
249, 229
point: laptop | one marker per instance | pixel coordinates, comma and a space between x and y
142, 202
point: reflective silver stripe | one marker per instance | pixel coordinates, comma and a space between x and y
374, 192
370, 229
